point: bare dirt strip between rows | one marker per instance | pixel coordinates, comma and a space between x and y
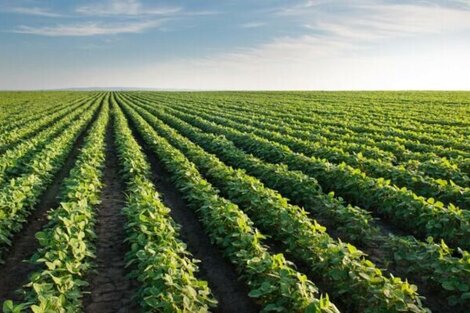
230, 292
16, 269
110, 289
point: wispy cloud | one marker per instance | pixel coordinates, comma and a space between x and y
300, 8
315, 44
199, 13
338, 51
303, 63
88, 29
369, 23
107, 18
125, 8
252, 25
36, 11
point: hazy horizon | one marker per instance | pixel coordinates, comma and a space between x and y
235, 45
226, 90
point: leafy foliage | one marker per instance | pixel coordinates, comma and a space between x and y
422, 217
160, 260
66, 247
18, 197
306, 240
271, 278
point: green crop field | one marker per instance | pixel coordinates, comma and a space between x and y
235, 201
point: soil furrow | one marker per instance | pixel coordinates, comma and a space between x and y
110, 289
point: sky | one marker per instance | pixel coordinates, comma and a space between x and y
232, 45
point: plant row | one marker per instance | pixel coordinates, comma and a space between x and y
65, 244
159, 260
356, 109
358, 120
19, 196
349, 277
36, 110
272, 280
12, 137
302, 142
425, 261
417, 215
430, 163
366, 157
14, 160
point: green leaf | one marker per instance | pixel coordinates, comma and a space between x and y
8, 306
256, 293
448, 285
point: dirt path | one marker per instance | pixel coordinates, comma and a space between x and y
230, 292
110, 289
15, 271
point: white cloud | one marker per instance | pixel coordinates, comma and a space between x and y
301, 8
284, 64
252, 25
32, 11
362, 47
374, 22
124, 8
199, 13
281, 66
134, 17
88, 29
344, 52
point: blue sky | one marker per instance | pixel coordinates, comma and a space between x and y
262, 44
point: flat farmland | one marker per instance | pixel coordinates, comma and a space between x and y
144, 201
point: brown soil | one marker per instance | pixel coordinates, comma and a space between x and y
15, 271
110, 290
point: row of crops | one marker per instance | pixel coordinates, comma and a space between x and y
315, 202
